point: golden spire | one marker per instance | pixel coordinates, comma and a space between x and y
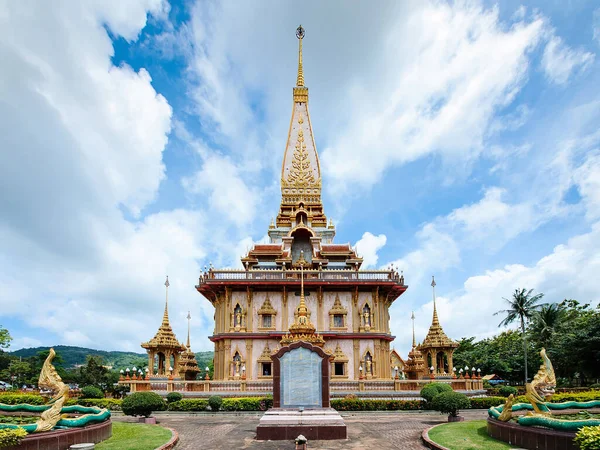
165, 320
435, 320
300, 36
413, 321
188, 340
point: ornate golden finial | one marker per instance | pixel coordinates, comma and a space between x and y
272, 224
166, 314
413, 325
435, 320
300, 36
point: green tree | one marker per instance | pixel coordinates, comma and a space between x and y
546, 322
94, 373
5, 337
522, 306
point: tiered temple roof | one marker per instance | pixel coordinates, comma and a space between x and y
436, 338
164, 337
188, 366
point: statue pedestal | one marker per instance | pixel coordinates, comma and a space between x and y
288, 424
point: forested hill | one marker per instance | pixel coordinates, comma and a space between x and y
73, 356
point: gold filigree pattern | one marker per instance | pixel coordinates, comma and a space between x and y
301, 173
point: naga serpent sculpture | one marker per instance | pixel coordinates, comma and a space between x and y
538, 393
51, 413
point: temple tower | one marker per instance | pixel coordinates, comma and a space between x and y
164, 349
437, 348
188, 366
301, 278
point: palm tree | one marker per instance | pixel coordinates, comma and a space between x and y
522, 306
547, 319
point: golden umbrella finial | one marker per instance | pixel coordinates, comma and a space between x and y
300, 36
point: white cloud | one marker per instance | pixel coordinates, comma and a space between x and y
560, 61
440, 95
368, 246
229, 194
596, 25
587, 178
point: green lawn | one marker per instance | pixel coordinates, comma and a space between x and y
135, 436
471, 435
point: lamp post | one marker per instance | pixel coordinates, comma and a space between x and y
243, 371
121, 378
467, 372
479, 374
127, 373
360, 369
431, 375
207, 377
147, 373
454, 372
460, 373
396, 372
170, 372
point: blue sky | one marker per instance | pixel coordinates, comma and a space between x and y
145, 138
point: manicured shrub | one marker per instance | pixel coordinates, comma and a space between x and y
450, 403
355, 404
142, 404
505, 391
588, 438
16, 399
91, 392
11, 436
594, 386
432, 389
174, 397
189, 404
215, 402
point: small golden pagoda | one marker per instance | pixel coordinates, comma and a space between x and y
188, 366
302, 329
415, 366
437, 348
164, 346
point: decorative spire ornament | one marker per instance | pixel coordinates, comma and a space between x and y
435, 320
300, 36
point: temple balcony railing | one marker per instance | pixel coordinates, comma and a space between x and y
277, 274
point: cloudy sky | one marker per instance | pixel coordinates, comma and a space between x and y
144, 138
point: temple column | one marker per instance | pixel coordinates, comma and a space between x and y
450, 363
249, 311
284, 313
356, 345
151, 363
249, 362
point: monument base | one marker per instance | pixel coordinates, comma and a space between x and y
287, 424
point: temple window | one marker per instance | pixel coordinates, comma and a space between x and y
265, 367
339, 368
337, 315
266, 315
267, 321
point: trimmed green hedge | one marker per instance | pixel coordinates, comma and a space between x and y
429, 391
486, 402
15, 399
228, 404
190, 404
356, 404
91, 392
111, 404
567, 397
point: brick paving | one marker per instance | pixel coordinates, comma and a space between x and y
381, 431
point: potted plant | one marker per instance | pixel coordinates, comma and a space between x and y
143, 404
451, 403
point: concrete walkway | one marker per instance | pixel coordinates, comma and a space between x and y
366, 430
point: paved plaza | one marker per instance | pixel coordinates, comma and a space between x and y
382, 431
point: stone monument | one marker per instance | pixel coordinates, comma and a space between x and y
301, 385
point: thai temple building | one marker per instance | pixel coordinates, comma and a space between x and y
301, 286
257, 307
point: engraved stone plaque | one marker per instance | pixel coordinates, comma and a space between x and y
301, 379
